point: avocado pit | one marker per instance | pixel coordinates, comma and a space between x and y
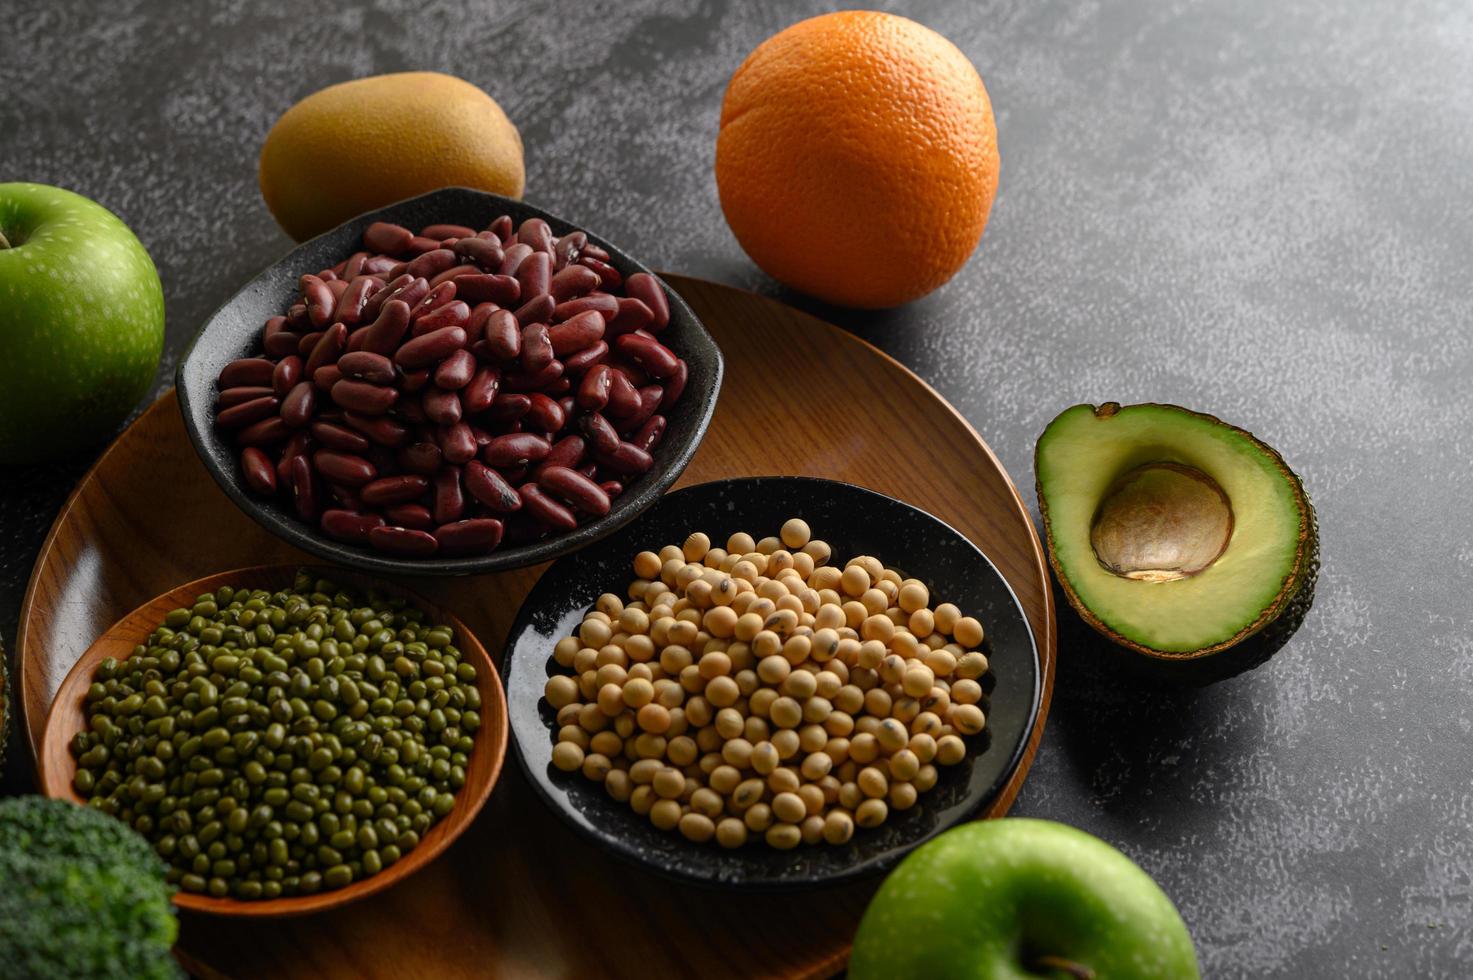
1161, 522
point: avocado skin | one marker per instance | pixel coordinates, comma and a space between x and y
1249, 649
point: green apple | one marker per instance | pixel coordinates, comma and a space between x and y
81, 322
1021, 900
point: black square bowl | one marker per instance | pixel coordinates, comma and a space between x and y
234, 330
854, 521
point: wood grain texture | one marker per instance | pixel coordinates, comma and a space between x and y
520, 894
67, 717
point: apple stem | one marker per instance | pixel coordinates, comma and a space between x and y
1078, 971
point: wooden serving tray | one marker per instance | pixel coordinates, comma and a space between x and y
520, 894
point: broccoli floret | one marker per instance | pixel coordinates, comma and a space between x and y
81, 895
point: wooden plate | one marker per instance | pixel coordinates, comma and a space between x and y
66, 718
520, 893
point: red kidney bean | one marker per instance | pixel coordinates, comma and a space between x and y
365, 398
535, 274
567, 451
349, 526
515, 449
414, 516
627, 459
353, 267
349, 308
296, 318
569, 405
637, 375
586, 358
675, 385
431, 347
650, 397
611, 487
478, 536
501, 227
537, 350
412, 381
247, 413
423, 458
633, 315
649, 354
411, 410
512, 259
536, 233
602, 436
650, 434
307, 343
598, 302
577, 333
288, 372
335, 436
574, 488
366, 366
608, 276
327, 350
277, 339
569, 248
254, 372
388, 490
547, 511
325, 377
345, 468
376, 302
490, 488
378, 265
420, 244
239, 396
381, 429
452, 314
593, 392
456, 371
502, 335
447, 231
257, 470
298, 405
441, 407
596, 252
437, 297
319, 300
403, 542
304, 489
480, 392
571, 282
508, 407
535, 380
480, 288
651, 292
458, 443
486, 254
381, 236
624, 399
449, 501
544, 414
538, 309
413, 293
431, 263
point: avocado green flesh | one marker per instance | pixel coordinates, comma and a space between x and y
1080, 457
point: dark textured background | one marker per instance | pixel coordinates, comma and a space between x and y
1257, 208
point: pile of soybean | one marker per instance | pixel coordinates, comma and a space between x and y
273, 744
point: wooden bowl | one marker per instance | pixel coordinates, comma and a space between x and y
66, 718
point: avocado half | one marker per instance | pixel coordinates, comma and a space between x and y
1176, 535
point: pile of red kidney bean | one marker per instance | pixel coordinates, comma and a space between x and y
440, 393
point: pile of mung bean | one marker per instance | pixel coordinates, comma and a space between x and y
757, 689
273, 744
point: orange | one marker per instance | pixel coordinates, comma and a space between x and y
363, 144
857, 158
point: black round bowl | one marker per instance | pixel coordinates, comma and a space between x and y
854, 521
234, 330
